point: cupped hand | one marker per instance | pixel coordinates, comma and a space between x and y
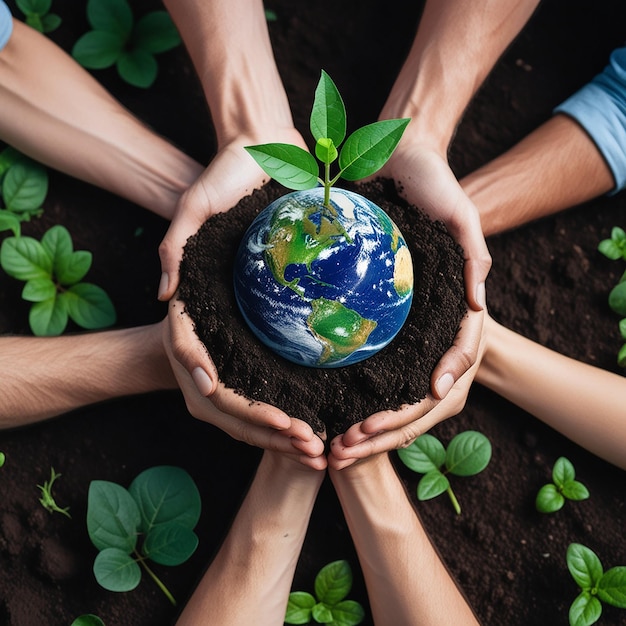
209, 400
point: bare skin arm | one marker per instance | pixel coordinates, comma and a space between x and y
584, 403
407, 583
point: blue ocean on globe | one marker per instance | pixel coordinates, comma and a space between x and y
324, 287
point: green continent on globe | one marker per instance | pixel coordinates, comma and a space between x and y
340, 330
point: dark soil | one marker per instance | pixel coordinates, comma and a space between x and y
332, 399
548, 282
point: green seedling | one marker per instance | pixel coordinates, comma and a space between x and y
117, 39
23, 186
152, 520
47, 499
551, 497
53, 273
615, 249
596, 585
38, 16
328, 606
87, 620
364, 152
468, 453
3, 459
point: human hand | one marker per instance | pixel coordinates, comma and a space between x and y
255, 423
390, 430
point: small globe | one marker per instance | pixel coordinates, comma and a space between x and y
324, 287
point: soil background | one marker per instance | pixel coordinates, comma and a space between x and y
548, 282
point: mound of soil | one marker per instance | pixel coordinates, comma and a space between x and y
330, 398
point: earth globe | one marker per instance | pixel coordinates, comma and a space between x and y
324, 286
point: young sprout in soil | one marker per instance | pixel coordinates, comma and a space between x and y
551, 497
332, 584
87, 620
47, 499
162, 507
468, 453
364, 152
38, 15
596, 585
3, 459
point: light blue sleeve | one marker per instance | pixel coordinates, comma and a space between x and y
600, 108
6, 24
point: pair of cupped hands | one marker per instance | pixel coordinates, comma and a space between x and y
424, 178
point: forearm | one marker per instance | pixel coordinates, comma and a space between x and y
46, 376
456, 46
231, 50
584, 403
250, 579
555, 167
55, 112
408, 585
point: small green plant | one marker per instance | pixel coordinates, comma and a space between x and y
117, 39
468, 453
53, 273
332, 584
38, 16
3, 459
615, 249
162, 506
364, 152
23, 187
87, 620
47, 499
596, 585
564, 486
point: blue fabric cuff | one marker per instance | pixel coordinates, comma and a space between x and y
6, 24
600, 108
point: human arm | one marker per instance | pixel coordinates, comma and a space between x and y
249, 580
57, 113
407, 583
582, 402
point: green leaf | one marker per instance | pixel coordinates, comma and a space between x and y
87, 620
549, 499
89, 306
170, 544
367, 149
617, 299
612, 587
97, 49
39, 289
610, 249
113, 517
116, 571
574, 490
30, 7
50, 22
34, 21
585, 610
25, 186
111, 16
621, 356
289, 165
424, 455
72, 268
57, 242
8, 157
325, 150
347, 613
563, 471
8, 221
48, 318
468, 453
166, 494
431, 485
584, 566
138, 68
622, 328
328, 116
333, 582
618, 235
299, 608
155, 32
322, 614
25, 258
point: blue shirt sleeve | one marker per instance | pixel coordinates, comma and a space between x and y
600, 108
6, 24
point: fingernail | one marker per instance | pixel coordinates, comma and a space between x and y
202, 381
163, 285
444, 384
481, 296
